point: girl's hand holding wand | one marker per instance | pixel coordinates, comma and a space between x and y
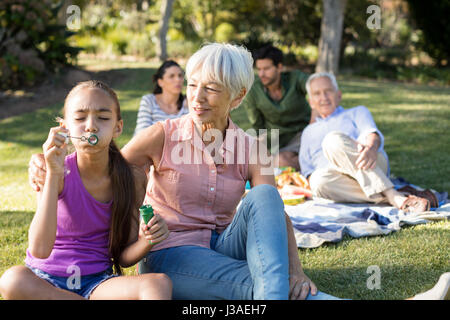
55, 149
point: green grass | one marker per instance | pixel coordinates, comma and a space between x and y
414, 120
410, 261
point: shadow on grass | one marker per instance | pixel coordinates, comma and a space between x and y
14, 219
409, 261
54, 88
380, 86
31, 128
377, 95
363, 283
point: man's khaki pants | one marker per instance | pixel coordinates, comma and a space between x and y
342, 181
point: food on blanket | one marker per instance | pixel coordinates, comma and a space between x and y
287, 169
293, 200
293, 195
291, 190
290, 183
300, 180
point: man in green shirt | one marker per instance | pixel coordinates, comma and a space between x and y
277, 101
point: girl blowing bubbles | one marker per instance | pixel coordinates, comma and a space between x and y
86, 221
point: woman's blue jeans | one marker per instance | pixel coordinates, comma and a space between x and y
249, 260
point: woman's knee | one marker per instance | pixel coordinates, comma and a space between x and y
263, 192
265, 199
12, 280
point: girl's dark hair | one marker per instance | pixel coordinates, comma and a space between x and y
160, 74
124, 207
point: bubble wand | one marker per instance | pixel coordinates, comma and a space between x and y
92, 139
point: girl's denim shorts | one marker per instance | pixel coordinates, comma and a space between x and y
82, 286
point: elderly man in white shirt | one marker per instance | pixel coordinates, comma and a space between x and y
342, 152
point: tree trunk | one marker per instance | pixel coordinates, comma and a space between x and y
161, 46
330, 35
62, 12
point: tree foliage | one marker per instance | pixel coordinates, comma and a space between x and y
432, 18
254, 23
31, 41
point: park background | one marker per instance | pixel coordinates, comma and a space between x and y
390, 55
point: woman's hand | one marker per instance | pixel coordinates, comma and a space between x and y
155, 231
300, 285
37, 171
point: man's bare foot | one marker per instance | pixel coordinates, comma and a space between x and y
394, 197
408, 203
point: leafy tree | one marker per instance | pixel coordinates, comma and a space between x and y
31, 41
255, 22
432, 18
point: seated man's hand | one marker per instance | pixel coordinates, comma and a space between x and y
37, 171
367, 157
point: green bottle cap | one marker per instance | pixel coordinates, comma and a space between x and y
146, 212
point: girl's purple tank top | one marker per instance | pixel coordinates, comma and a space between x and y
82, 232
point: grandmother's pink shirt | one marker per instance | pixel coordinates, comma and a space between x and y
189, 190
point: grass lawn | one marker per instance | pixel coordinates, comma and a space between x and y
414, 120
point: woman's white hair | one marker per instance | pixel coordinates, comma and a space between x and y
328, 75
227, 64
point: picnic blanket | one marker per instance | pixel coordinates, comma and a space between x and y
318, 221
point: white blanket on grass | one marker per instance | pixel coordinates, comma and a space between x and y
318, 221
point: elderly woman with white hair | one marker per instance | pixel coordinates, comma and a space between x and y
202, 162
219, 247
